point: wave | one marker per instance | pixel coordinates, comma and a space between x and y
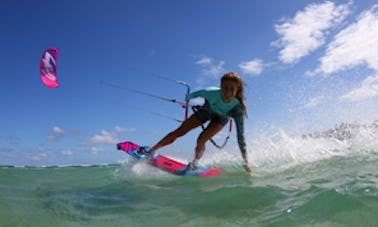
276, 152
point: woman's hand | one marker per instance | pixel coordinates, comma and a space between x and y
247, 168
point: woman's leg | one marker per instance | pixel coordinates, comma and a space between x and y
189, 124
212, 129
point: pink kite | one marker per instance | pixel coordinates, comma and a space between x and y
47, 67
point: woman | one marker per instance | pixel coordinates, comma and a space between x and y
220, 104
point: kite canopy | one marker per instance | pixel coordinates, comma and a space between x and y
47, 67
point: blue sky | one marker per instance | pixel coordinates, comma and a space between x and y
308, 65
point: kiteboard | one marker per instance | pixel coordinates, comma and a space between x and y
168, 164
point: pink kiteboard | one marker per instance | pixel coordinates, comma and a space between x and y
168, 164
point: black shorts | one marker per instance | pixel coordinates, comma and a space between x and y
204, 114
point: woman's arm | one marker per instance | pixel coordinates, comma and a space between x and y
238, 116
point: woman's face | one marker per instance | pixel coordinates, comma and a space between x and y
229, 90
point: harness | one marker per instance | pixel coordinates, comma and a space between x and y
195, 109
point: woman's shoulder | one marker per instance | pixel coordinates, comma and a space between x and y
212, 89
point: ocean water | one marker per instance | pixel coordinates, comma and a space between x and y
327, 179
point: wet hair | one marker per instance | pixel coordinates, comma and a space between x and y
232, 76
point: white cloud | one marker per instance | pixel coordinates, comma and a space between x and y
210, 67
40, 153
253, 67
204, 60
104, 137
57, 130
56, 133
66, 152
306, 31
357, 44
35, 157
109, 137
119, 129
314, 102
96, 150
367, 90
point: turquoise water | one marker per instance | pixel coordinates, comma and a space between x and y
341, 191
296, 181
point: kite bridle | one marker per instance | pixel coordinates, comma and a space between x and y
195, 109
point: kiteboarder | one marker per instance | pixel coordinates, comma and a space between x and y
220, 104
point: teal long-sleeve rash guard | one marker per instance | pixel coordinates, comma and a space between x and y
233, 109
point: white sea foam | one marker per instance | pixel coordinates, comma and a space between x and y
280, 150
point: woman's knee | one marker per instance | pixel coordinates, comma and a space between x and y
202, 139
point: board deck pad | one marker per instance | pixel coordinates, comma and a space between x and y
168, 164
